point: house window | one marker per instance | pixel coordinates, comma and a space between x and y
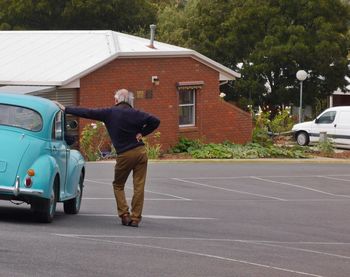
187, 105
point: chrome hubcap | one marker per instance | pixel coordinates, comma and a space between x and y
78, 197
301, 139
52, 202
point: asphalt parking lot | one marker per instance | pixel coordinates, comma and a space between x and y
200, 219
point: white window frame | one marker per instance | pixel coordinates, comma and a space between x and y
193, 105
57, 126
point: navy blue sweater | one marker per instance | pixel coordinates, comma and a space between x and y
122, 122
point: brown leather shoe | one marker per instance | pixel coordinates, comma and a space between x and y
133, 223
125, 219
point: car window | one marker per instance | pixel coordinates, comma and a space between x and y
327, 117
57, 130
20, 117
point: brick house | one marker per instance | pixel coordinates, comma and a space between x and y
85, 68
339, 98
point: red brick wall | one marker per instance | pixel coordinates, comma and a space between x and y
341, 100
216, 120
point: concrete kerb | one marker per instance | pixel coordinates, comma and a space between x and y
267, 160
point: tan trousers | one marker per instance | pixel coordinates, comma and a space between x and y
134, 160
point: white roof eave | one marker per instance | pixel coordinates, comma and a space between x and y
225, 72
217, 65
26, 89
32, 83
89, 70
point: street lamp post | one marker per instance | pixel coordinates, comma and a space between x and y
301, 76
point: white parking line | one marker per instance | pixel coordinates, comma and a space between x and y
98, 182
227, 200
146, 199
210, 239
301, 249
262, 200
153, 216
225, 189
233, 177
297, 186
160, 193
257, 242
333, 178
264, 176
179, 217
91, 238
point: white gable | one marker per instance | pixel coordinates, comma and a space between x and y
61, 57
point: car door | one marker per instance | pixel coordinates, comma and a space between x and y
59, 150
342, 125
324, 123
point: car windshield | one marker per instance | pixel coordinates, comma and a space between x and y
20, 117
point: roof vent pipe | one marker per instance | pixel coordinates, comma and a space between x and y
153, 32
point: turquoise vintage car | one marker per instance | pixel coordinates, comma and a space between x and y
37, 165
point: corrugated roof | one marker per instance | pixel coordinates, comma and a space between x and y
60, 57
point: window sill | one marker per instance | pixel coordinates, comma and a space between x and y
188, 129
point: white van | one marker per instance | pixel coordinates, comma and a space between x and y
335, 122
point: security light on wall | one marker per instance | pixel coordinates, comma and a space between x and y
155, 80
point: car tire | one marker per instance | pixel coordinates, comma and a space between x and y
72, 206
45, 209
302, 138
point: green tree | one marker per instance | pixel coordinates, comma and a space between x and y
200, 25
298, 34
35, 15
268, 42
117, 15
164, 3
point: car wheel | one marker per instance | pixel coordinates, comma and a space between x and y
45, 209
72, 206
302, 138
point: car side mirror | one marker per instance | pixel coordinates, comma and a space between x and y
70, 140
72, 125
317, 120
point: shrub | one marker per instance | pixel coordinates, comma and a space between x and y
93, 137
185, 145
261, 129
326, 147
265, 128
261, 136
282, 122
153, 150
250, 151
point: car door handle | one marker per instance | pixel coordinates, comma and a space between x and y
335, 125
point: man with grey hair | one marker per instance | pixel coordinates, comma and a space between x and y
123, 95
126, 127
